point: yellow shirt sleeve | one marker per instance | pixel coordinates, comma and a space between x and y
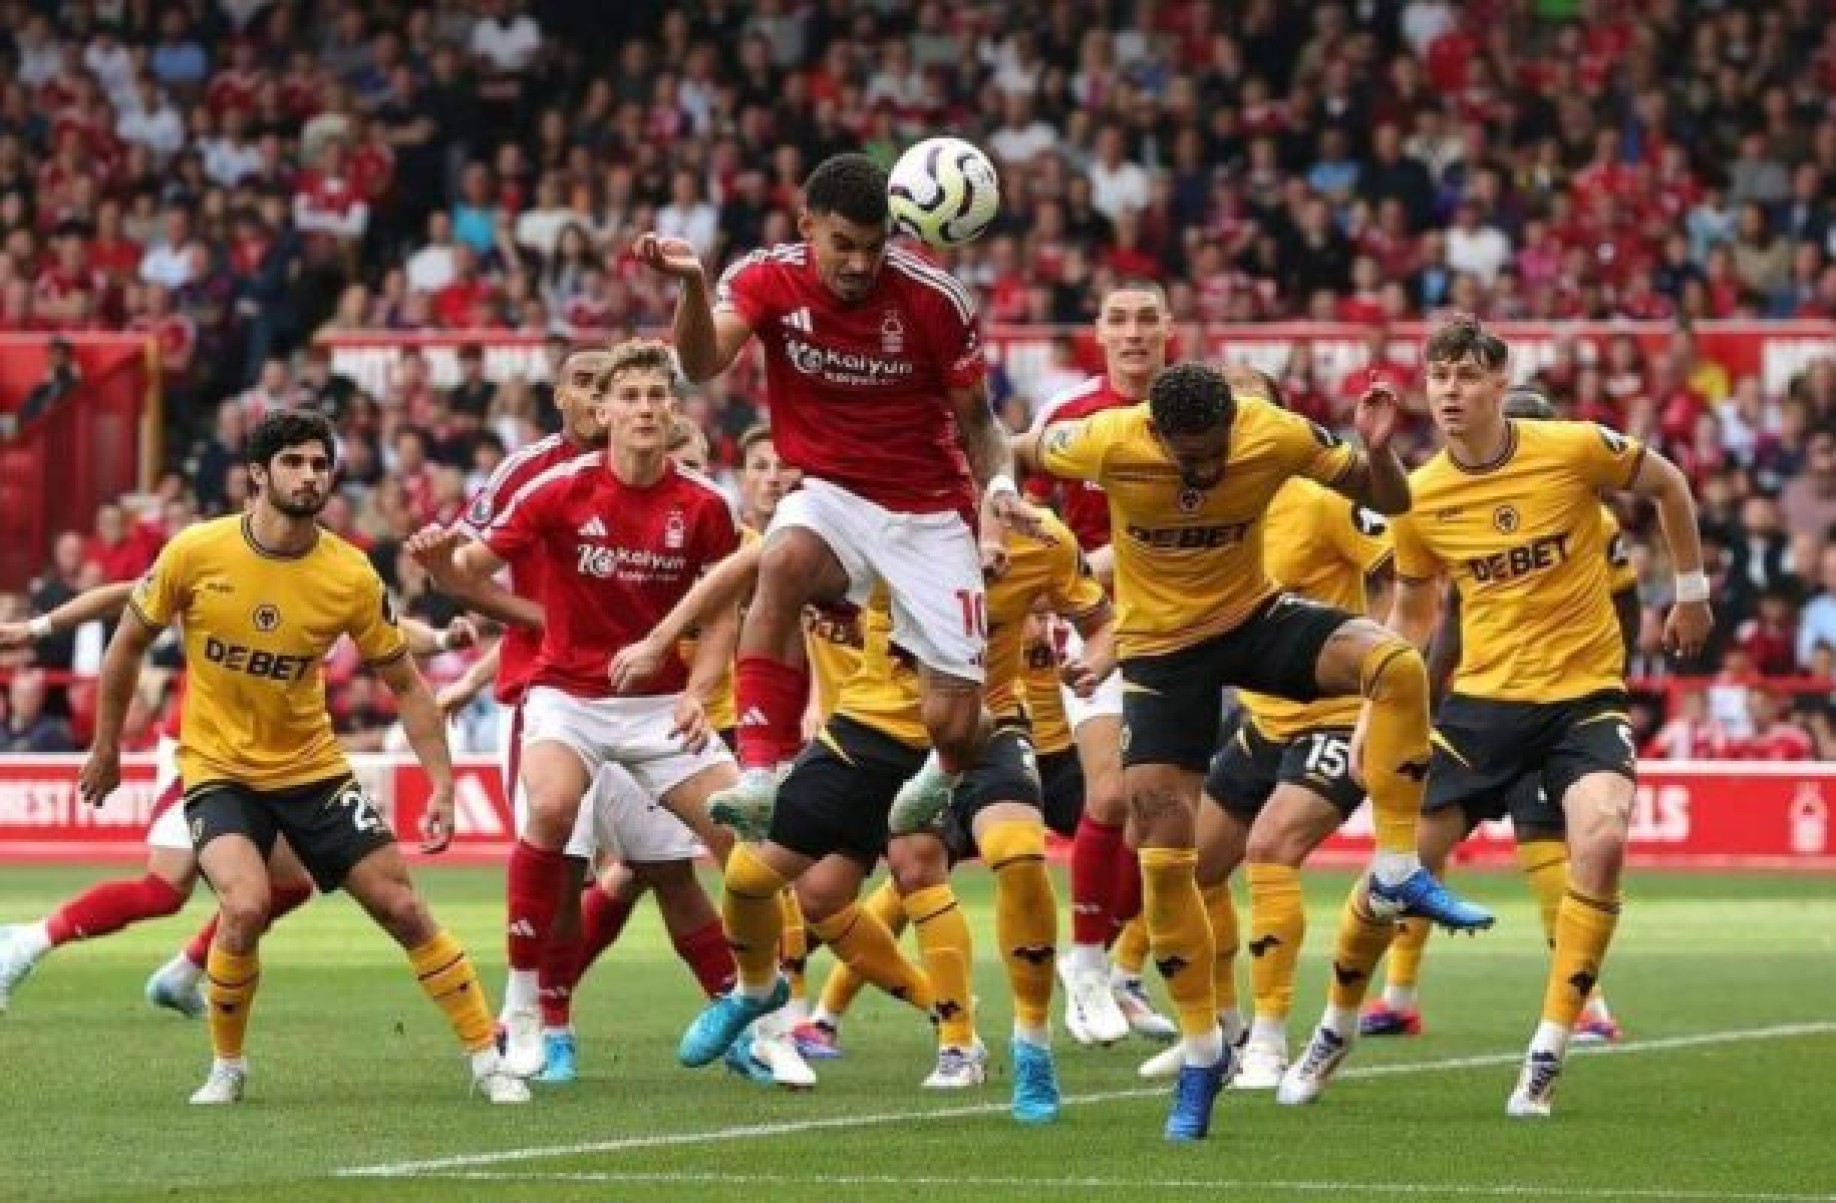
1319, 453
1079, 450
161, 594
374, 626
1363, 537
1414, 562
1605, 458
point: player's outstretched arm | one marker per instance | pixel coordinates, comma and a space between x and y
426, 731
101, 772
104, 601
707, 340
1088, 669
462, 569
719, 590
457, 695
991, 461
1687, 626
425, 640
1376, 479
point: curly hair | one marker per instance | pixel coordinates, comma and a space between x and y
283, 428
850, 186
1191, 398
1464, 336
639, 355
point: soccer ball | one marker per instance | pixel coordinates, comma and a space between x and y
944, 192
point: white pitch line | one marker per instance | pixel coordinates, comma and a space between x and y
1503, 1190
410, 1169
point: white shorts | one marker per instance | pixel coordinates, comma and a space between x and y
631, 826
632, 733
167, 829
1106, 702
930, 564
581, 842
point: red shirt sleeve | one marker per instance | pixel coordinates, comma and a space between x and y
520, 526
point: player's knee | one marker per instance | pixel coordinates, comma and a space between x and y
243, 913
917, 862
1599, 823
1105, 801
821, 899
1392, 671
401, 913
792, 571
1281, 846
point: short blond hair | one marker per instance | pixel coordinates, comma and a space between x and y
640, 355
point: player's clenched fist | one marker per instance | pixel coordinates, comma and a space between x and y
672, 257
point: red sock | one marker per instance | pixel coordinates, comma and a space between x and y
705, 951
602, 918
281, 900
770, 695
111, 906
1095, 849
537, 877
559, 974
1128, 889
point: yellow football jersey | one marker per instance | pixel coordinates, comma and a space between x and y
1189, 562
722, 711
1621, 575
1045, 696
257, 626
1320, 545
833, 641
1526, 546
884, 693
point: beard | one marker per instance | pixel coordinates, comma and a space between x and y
300, 509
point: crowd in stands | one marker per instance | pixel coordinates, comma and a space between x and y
240, 179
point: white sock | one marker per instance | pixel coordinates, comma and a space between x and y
523, 991
1393, 868
565, 1030
822, 1017
1230, 1024
34, 939
1204, 1050
239, 1064
1040, 1036
1086, 958
485, 1061
182, 971
1119, 977
1550, 1038
1269, 1031
758, 993
1597, 1008
1340, 1021
796, 1011
1399, 998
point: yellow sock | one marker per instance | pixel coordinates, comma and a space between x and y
1545, 866
943, 937
1131, 949
793, 943
753, 916
229, 987
1278, 924
1362, 940
1180, 934
1395, 741
844, 984
447, 977
1026, 918
1404, 968
1221, 910
1584, 928
862, 942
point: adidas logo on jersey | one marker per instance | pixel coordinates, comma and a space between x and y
754, 717
523, 929
592, 528
799, 319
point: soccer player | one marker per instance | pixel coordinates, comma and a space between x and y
1190, 476
1510, 511
1134, 328
1283, 782
1542, 849
172, 862
626, 534
876, 381
260, 598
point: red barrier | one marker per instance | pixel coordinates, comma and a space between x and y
1689, 815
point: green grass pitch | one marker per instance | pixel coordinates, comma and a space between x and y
1725, 1090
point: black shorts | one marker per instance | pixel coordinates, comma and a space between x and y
1486, 751
1535, 813
1007, 772
837, 795
1061, 777
1250, 765
1171, 703
331, 825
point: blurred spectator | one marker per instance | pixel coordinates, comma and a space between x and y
119, 549
1817, 627
1689, 734
1808, 500
61, 378
30, 727
1774, 735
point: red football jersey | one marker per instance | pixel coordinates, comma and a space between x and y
619, 558
1083, 505
521, 645
857, 392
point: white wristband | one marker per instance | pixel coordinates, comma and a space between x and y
998, 485
444, 641
41, 627
1692, 586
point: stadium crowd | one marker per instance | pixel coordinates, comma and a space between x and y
241, 178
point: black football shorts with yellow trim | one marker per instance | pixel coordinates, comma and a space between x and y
1007, 772
838, 793
331, 825
1248, 768
1484, 750
1061, 777
1171, 702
